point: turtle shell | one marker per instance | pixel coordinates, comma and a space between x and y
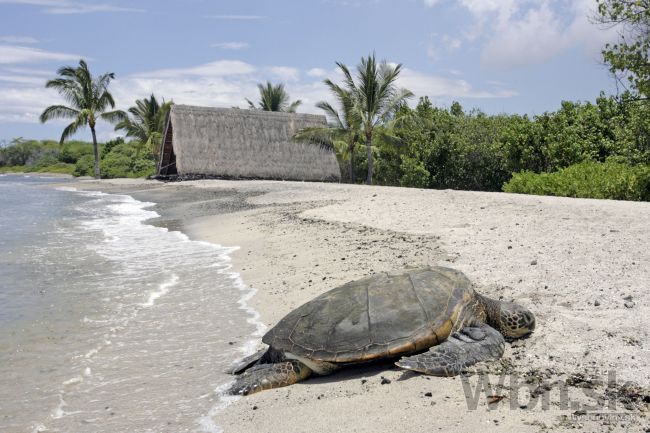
379, 316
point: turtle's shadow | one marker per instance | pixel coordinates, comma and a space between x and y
363, 371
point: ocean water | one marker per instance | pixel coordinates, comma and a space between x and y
108, 324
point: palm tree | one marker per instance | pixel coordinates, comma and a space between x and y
376, 95
344, 128
274, 98
147, 122
89, 99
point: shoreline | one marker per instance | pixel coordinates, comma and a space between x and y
142, 193
556, 256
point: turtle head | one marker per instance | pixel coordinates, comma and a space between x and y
512, 320
515, 320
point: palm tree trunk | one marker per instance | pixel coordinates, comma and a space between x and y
351, 171
96, 152
369, 141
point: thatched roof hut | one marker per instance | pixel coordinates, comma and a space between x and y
235, 143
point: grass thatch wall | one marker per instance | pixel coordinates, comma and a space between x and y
247, 144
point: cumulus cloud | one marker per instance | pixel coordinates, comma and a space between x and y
422, 84
285, 73
222, 83
24, 103
520, 33
317, 72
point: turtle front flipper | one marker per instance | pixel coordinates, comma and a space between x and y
247, 362
269, 376
461, 350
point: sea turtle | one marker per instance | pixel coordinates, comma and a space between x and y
430, 318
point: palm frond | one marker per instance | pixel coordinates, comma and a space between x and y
114, 116
294, 106
72, 128
105, 100
399, 97
317, 135
274, 98
347, 76
58, 112
87, 97
331, 113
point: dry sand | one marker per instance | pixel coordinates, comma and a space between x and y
582, 266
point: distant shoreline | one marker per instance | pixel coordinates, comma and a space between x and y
43, 174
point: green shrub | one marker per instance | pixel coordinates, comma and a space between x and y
13, 169
124, 160
21, 152
72, 151
85, 166
59, 167
45, 161
608, 180
109, 145
415, 175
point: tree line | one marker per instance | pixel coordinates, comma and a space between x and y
426, 146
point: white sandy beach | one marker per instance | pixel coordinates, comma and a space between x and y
582, 266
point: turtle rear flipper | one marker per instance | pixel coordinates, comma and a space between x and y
268, 376
461, 350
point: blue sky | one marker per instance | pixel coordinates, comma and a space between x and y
512, 56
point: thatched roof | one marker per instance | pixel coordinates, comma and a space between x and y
235, 143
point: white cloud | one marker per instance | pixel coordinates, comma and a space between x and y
285, 73
59, 7
431, 3
12, 54
534, 38
230, 45
223, 83
21, 40
20, 103
317, 72
21, 79
520, 33
422, 84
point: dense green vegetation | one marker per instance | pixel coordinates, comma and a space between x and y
440, 148
588, 179
118, 159
433, 147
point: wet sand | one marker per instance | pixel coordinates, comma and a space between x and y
582, 266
